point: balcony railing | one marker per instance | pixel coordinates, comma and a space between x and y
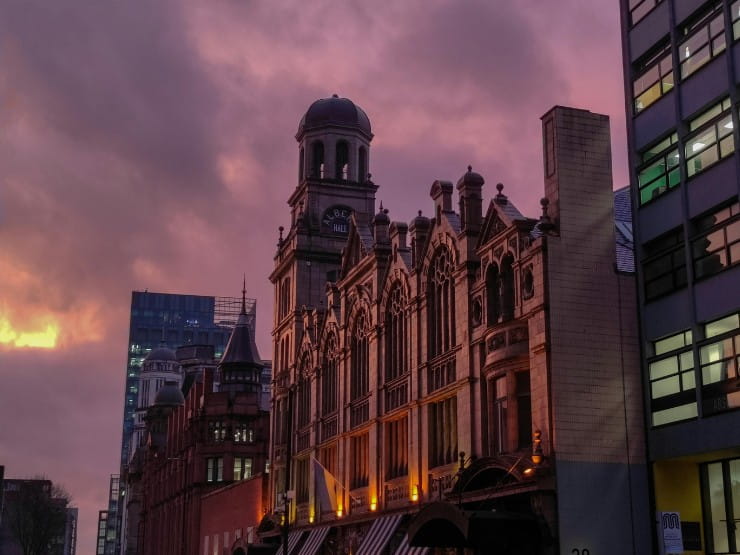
303, 439
396, 393
359, 412
441, 371
329, 427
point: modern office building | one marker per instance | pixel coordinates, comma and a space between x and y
468, 380
166, 321
682, 70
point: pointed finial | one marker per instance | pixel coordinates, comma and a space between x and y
244, 295
381, 205
470, 168
335, 95
499, 187
419, 213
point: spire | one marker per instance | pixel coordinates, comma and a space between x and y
244, 295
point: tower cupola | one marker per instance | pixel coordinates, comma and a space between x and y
334, 137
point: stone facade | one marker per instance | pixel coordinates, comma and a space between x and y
471, 360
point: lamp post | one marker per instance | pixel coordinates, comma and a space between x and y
288, 457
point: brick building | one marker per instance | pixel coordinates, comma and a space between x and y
470, 379
214, 435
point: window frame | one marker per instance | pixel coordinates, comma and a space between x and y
654, 61
703, 23
715, 118
651, 157
685, 397
662, 252
633, 6
721, 226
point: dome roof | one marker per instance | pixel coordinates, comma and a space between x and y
161, 353
169, 395
471, 178
335, 111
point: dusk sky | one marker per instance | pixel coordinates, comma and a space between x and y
150, 145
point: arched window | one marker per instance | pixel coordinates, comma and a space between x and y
360, 353
507, 288
342, 160
493, 293
304, 391
317, 159
396, 334
329, 376
362, 165
441, 304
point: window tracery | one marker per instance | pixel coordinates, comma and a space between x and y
359, 353
396, 334
441, 304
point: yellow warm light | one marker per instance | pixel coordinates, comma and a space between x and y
46, 338
373, 504
339, 512
415, 493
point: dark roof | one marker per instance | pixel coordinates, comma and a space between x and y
161, 353
335, 111
169, 395
241, 348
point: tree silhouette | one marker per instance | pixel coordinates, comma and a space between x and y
36, 516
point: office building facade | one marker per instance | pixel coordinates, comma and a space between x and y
682, 69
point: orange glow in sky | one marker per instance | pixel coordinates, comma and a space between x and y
41, 337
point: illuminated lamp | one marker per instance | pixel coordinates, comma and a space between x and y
537, 456
415, 493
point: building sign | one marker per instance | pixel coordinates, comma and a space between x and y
336, 220
670, 538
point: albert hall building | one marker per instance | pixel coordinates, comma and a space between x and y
467, 382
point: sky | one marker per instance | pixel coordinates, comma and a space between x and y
150, 145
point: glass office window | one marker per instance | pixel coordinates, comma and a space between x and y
712, 139
705, 40
721, 502
655, 78
672, 379
735, 16
660, 170
640, 8
717, 246
719, 356
664, 265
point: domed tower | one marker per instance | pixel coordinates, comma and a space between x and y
160, 367
334, 186
240, 366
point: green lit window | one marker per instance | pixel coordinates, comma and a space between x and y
718, 245
712, 140
640, 8
719, 356
661, 169
706, 39
672, 380
664, 266
655, 79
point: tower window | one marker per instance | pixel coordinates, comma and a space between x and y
342, 160
362, 165
317, 159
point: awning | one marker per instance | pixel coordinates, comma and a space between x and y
380, 532
406, 549
293, 538
315, 538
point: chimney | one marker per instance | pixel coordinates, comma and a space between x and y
469, 187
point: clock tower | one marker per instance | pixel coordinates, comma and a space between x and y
333, 184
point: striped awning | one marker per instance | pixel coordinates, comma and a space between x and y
315, 538
293, 538
380, 532
406, 549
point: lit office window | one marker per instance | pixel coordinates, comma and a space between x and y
242, 468
655, 78
661, 170
706, 39
735, 15
712, 140
640, 8
719, 356
664, 265
718, 245
442, 432
672, 379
